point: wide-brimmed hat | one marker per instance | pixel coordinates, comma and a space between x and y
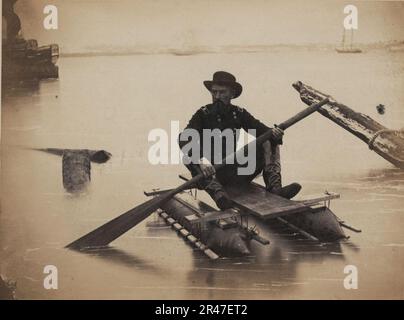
224, 78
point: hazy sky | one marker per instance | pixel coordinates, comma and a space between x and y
90, 24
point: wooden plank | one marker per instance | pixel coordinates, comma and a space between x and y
177, 226
193, 218
212, 255
191, 238
226, 223
199, 207
164, 215
184, 232
218, 215
326, 197
254, 199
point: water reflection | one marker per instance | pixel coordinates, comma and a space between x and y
124, 258
352, 246
266, 271
385, 177
20, 88
383, 185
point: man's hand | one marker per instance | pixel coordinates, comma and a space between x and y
277, 133
207, 168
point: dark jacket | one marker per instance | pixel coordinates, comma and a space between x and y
227, 117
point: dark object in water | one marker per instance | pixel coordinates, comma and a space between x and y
12, 21
381, 108
347, 44
387, 143
23, 60
99, 156
76, 165
76, 170
7, 289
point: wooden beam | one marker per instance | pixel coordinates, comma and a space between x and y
326, 197
254, 199
387, 143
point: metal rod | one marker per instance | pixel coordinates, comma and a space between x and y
304, 233
347, 226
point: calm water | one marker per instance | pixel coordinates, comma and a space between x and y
112, 103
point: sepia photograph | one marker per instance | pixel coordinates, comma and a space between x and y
202, 150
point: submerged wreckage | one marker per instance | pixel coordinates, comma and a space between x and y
23, 60
387, 143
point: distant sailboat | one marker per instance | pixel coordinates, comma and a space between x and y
347, 48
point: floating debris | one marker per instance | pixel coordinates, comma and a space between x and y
7, 289
381, 109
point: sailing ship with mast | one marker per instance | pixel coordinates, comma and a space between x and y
347, 48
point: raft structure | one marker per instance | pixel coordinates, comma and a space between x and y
229, 233
386, 142
214, 233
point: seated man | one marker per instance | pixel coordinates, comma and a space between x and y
222, 115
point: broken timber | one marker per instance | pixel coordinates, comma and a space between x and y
97, 156
76, 165
387, 143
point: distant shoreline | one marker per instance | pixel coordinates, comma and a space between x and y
396, 46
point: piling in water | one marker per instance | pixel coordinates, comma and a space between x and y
76, 165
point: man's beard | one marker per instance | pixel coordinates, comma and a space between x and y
219, 104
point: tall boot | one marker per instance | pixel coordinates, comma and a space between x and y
213, 187
272, 173
216, 191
